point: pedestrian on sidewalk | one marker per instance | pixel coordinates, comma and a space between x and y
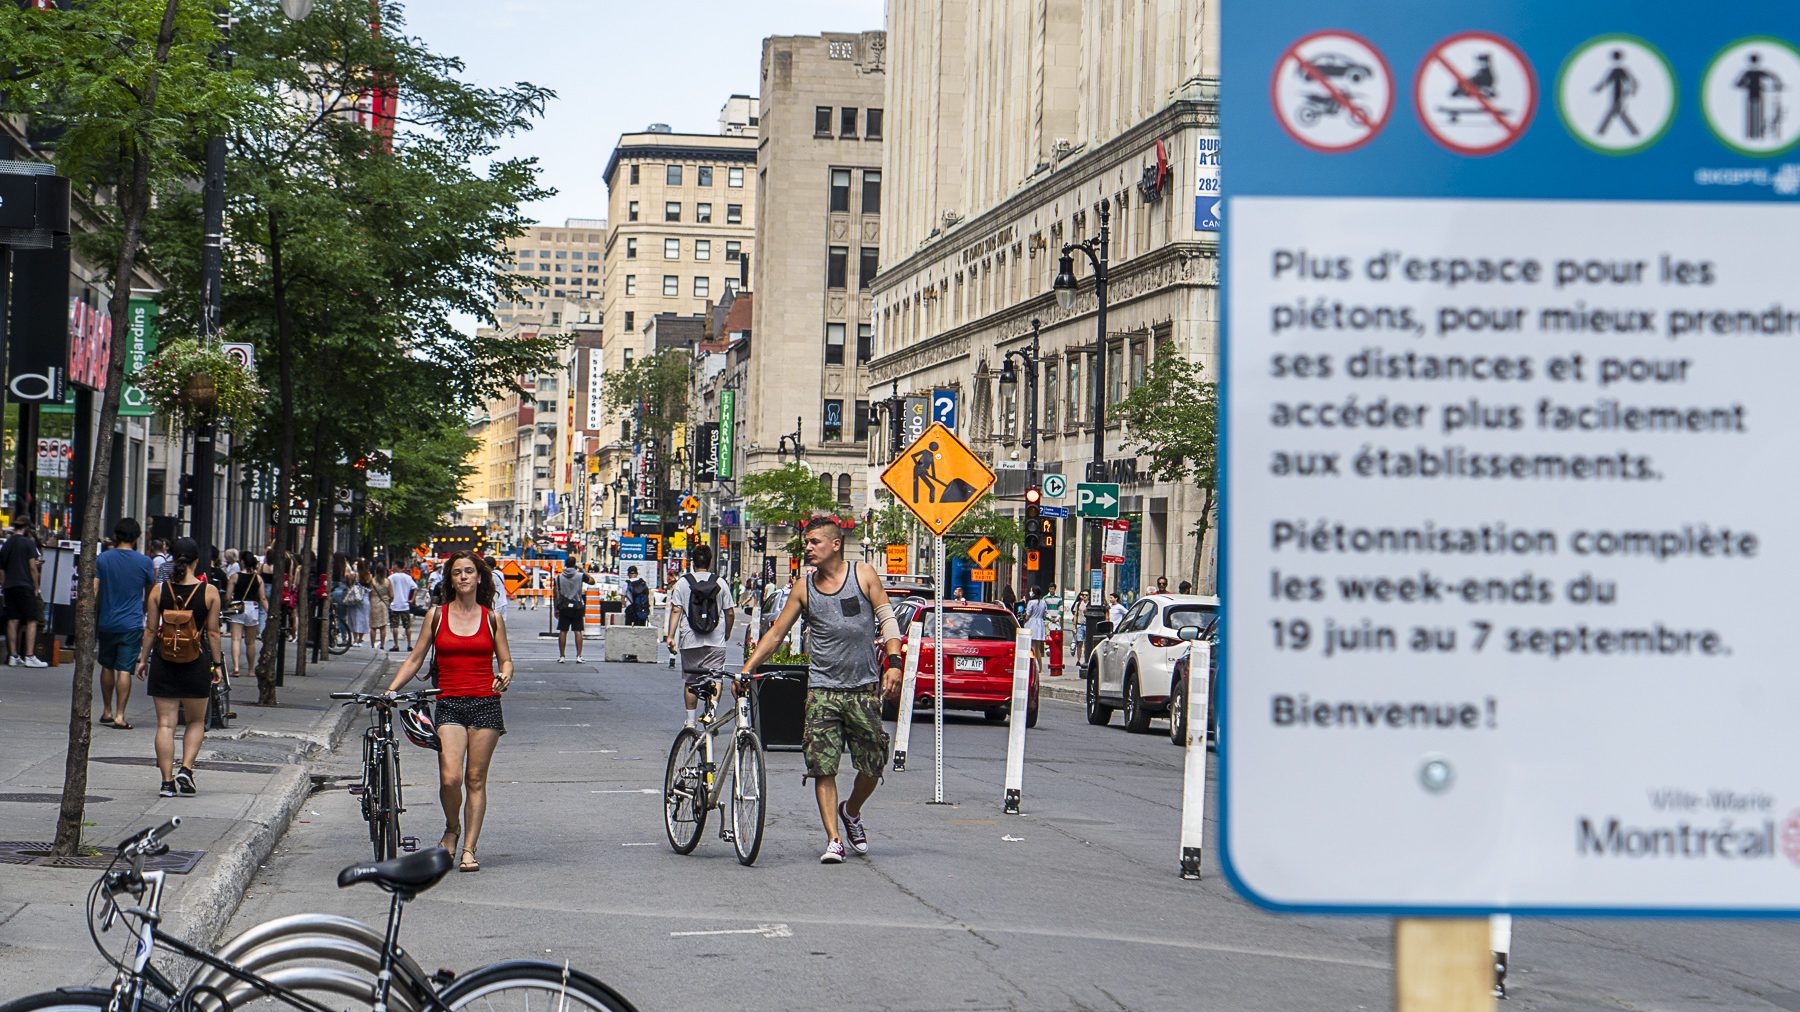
123, 580
248, 594
180, 655
1053, 621
637, 598
401, 588
162, 560
845, 607
361, 601
571, 609
1036, 616
469, 639
381, 601
700, 618
23, 564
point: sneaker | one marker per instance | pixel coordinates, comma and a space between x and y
834, 853
562, 660
184, 780
14, 662
168, 789
853, 829
690, 725
33, 662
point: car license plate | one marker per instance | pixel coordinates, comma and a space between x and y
969, 664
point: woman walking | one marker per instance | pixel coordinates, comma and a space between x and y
1036, 616
247, 592
180, 656
470, 639
381, 601
362, 589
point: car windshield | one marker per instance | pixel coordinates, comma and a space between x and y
1202, 615
972, 625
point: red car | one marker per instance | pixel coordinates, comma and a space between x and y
979, 639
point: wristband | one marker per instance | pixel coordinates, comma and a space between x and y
896, 661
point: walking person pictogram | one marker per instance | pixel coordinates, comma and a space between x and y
1760, 120
1623, 84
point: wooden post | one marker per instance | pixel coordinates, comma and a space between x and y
1442, 965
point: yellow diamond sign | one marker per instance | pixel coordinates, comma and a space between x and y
938, 477
984, 552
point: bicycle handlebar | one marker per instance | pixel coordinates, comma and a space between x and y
383, 699
149, 839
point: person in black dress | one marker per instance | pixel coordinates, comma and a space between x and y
181, 687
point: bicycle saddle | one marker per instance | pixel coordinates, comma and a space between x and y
705, 690
411, 874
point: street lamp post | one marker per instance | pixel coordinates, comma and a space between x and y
1066, 286
1028, 361
791, 441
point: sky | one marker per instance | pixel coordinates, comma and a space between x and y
617, 66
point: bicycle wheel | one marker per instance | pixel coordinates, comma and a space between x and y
684, 792
73, 999
218, 704
340, 636
523, 986
390, 804
749, 786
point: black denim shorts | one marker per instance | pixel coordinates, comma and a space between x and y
470, 712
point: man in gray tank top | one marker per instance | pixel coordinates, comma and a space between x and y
847, 612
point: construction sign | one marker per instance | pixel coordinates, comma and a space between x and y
984, 552
938, 477
981, 575
896, 560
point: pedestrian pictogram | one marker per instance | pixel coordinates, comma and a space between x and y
1332, 91
1616, 94
1475, 93
1748, 95
690, 504
938, 478
1054, 486
984, 552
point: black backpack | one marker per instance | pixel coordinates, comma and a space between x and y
703, 604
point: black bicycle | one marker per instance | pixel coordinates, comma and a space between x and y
308, 962
380, 787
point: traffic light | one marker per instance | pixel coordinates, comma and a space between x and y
1033, 524
1033, 496
186, 494
1047, 536
362, 464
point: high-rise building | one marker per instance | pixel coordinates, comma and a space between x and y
993, 165
566, 264
818, 232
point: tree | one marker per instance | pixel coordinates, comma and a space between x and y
1173, 420
786, 496
128, 83
428, 471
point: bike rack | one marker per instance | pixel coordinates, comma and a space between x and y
262, 949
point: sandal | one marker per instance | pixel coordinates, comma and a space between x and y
469, 863
123, 725
452, 834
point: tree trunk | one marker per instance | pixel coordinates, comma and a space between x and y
133, 200
1201, 527
284, 357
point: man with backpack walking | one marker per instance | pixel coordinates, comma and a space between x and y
571, 609
699, 624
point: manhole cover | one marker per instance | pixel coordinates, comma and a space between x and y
37, 854
49, 799
202, 765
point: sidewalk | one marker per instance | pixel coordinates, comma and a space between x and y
252, 779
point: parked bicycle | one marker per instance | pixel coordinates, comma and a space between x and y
694, 783
379, 790
308, 962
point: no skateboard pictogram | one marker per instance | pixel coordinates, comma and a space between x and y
1332, 91
1475, 93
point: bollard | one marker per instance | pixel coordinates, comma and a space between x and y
1015, 730
1500, 941
909, 681
1193, 777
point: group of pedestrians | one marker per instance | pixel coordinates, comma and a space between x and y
375, 604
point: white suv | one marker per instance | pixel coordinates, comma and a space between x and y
1133, 667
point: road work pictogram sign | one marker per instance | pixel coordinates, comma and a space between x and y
938, 478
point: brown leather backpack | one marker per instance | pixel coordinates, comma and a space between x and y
178, 637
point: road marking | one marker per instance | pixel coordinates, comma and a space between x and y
765, 930
585, 751
652, 844
636, 790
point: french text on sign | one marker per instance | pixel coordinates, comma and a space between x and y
1332, 91
1475, 93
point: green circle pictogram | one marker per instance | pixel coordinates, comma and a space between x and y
1706, 79
1569, 119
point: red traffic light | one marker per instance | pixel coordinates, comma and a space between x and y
1032, 495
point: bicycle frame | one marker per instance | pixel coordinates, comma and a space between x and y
739, 718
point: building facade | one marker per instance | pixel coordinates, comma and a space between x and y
994, 164
565, 264
818, 228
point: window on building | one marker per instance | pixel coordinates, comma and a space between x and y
706, 175
865, 270
731, 286
840, 189
672, 175
837, 263
871, 195
1009, 409
593, 255
1137, 364
865, 342
834, 428
703, 213
631, 211
834, 344
734, 176
702, 287
672, 210
630, 323
847, 121
734, 250
624, 432
634, 175
1115, 375
630, 285
702, 249
671, 249
822, 121
562, 254
843, 496
872, 124
593, 269
558, 293
1051, 373
1074, 413
671, 285
734, 214
631, 249
862, 421
627, 356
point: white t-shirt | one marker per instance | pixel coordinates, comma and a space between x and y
685, 636
403, 585
1115, 614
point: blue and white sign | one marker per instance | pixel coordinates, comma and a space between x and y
1053, 512
943, 408
1510, 304
1207, 195
634, 549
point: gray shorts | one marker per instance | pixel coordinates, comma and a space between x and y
696, 662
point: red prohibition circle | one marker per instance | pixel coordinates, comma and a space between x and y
1292, 52
1512, 133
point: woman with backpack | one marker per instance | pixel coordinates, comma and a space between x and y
180, 657
473, 666
246, 590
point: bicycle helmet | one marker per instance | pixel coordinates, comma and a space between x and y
417, 722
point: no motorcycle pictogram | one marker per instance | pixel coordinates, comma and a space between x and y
1332, 91
1475, 93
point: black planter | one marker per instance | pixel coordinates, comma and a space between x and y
780, 714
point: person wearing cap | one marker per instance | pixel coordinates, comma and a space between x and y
23, 563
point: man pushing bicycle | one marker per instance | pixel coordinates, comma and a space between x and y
846, 610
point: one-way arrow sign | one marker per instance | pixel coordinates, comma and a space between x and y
1097, 499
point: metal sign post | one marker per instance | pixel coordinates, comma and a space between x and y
937, 665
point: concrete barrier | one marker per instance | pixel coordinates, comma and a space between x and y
631, 643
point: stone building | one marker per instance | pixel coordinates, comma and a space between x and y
1009, 124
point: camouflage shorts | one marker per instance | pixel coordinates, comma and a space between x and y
840, 718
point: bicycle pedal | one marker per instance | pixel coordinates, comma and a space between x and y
409, 843
442, 978
357, 790
728, 836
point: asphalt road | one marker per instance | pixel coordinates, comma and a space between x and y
1074, 905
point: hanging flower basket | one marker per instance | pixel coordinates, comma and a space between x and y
189, 378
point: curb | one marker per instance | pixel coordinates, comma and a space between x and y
208, 902
1068, 693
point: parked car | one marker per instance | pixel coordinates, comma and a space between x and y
1178, 692
1132, 668
979, 639
906, 588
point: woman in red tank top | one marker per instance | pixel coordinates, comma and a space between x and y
470, 637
